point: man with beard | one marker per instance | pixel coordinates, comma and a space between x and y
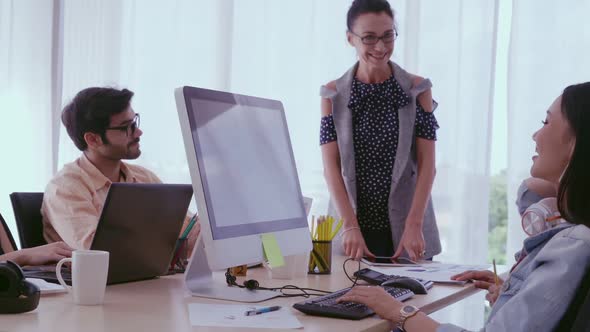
103, 125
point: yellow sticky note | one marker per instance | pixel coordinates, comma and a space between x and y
272, 251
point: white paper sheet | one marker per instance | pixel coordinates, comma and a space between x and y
436, 272
47, 287
233, 315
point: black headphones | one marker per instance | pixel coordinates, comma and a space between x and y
16, 294
250, 284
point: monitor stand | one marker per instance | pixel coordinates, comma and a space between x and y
199, 281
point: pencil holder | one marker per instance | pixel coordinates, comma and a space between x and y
320, 259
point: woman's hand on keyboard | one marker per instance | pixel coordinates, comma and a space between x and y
377, 299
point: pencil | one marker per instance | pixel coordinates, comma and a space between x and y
338, 226
496, 281
313, 227
189, 227
320, 227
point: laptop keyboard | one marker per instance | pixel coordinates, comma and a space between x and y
49, 276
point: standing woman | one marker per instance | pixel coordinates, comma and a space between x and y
377, 138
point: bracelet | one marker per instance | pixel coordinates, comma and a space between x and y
348, 229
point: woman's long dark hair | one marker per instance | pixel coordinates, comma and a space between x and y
573, 196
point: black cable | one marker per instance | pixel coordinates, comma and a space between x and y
356, 278
252, 284
304, 292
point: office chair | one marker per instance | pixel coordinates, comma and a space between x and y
27, 212
6, 231
576, 316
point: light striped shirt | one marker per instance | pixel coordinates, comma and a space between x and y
74, 198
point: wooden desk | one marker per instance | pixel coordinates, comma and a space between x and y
161, 305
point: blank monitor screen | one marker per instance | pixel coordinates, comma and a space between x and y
245, 162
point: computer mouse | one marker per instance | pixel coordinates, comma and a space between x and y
407, 283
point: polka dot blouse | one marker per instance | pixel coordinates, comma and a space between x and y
375, 135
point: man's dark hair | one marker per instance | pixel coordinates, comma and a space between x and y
360, 7
91, 111
573, 196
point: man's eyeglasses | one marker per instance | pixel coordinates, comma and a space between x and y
130, 128
387, 38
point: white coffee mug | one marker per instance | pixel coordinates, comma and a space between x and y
89, 275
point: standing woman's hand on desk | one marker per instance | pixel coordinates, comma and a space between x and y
354, 243
412, 242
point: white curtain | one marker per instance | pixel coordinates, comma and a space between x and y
25, 99
549, 48
456, 51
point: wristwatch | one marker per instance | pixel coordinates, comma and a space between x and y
405, 313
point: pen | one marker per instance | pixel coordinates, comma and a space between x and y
189, 227
495, 274
262, 310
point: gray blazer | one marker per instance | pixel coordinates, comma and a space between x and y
403, 179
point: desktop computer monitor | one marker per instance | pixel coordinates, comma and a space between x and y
245, 183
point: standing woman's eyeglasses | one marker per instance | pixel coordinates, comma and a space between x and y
387, 38
130, 128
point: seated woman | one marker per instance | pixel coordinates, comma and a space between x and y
551, 264
49, 253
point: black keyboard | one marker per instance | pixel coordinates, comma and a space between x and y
326, 305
